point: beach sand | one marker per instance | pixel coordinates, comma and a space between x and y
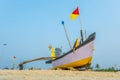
57, 75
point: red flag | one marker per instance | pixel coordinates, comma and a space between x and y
74, 14
76, 11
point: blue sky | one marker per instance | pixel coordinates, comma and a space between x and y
29, 26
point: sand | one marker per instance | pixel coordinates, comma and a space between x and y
57, 75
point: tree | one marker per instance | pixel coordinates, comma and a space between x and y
97, 66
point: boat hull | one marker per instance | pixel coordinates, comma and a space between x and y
77, 58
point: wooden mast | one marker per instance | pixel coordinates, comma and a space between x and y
66, 34
81, 31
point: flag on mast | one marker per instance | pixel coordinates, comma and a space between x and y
74, 14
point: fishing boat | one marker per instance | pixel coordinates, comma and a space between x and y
78, 57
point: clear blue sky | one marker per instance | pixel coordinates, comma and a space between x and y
29, 26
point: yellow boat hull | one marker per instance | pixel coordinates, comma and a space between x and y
78, 63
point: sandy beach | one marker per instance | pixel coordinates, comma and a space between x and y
57, 75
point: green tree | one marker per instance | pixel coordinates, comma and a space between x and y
97, 66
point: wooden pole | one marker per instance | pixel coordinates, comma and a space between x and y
81, 31
14, 62
66, 34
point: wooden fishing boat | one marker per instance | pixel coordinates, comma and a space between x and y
78, 57
80, 54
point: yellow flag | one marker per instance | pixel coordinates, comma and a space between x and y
74, 14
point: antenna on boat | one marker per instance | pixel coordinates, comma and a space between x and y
66, 34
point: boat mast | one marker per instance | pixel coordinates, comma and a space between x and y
66, 34
81, 31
